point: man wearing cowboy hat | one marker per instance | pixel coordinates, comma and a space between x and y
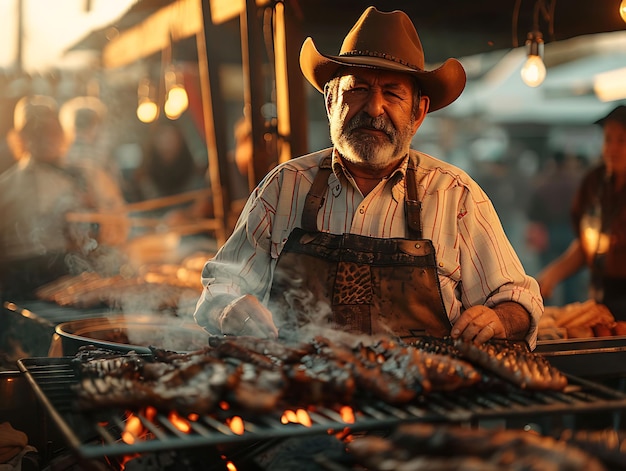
370, 236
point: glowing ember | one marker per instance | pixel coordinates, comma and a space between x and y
300, 416
179, 422
347, 414
150, 413
303, 417
193, 417
224, 405
132, 430
236, 425
230, 466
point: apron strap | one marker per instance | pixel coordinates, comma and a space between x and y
315, 197
412, 205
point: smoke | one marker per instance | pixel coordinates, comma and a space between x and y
302, 313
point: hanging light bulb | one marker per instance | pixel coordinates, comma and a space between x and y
176, 99
622, 10
534, 70
147, 109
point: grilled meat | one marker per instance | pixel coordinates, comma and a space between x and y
436, 447
513, 363
257, 374
278, 351
607, 445
258, 389
320, 379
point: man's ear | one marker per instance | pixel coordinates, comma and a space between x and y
327, 100
421, 111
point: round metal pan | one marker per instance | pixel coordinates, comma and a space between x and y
129, 332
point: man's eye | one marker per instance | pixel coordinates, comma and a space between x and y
357, 90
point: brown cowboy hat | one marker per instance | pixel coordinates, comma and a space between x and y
385, 40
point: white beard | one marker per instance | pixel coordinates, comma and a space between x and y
376, 152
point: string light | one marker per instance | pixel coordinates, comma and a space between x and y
176, 99
147, 109
534, 70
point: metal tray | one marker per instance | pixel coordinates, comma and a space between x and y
588, 358
98, 435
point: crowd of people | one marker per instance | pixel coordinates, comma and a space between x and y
64, 201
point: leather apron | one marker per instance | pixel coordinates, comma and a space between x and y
356, 283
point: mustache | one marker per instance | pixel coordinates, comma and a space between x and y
380, 123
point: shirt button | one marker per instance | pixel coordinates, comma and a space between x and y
361, 210
441, 264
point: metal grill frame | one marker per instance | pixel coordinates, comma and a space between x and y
52, 380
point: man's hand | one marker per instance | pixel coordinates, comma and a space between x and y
247, 316
478, 324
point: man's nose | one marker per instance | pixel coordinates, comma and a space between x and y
375, 103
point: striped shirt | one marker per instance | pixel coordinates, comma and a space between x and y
476, 263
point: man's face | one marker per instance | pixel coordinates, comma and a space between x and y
373, 117
614, 147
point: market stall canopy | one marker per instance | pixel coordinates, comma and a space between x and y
567, 94
448, 28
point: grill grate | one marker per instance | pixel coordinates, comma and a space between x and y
95, 435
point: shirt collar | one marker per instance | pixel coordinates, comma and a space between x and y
398, 175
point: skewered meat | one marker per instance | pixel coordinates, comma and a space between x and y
258, 389
278, 351
514, 363
321, 379
428, 446
486, 380
386, 380
448, 374
389, 371
194, 385
608, 445
256, 374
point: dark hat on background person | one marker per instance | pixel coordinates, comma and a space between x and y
618, 114
388, 41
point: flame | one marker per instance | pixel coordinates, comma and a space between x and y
303, 417
133, 429
300, 416
179, 422
288, 416
236, 425
230, 466
150, 413
347, 414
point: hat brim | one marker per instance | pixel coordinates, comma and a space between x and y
442, 85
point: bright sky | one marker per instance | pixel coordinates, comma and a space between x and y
50, 26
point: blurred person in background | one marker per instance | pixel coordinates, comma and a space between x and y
83, 118
37, 193
169, 168
599, 221
549, 230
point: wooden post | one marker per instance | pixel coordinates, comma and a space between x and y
214, 129
290, 93
254, 96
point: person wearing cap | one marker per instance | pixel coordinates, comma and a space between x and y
598, 216
37, 192
370, 236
